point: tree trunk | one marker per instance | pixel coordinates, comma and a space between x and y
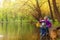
38, 9
51, 10
56, 11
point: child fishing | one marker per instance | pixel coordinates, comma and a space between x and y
44, 27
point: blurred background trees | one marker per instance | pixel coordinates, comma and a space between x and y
19, 17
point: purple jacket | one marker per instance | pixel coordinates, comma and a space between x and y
48, 23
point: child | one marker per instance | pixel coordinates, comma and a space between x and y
48, 23
42, 28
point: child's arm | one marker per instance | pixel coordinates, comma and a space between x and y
49, 25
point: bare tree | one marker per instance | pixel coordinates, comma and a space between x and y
56, 11
36, 14
36, 10
51, 12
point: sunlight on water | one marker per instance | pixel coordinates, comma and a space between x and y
1, 36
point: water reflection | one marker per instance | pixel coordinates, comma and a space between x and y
14, 30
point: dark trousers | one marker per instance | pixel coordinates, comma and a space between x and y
47, 30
